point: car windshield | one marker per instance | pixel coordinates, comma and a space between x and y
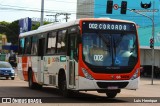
5, 65
101, 49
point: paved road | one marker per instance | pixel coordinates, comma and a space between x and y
19, 88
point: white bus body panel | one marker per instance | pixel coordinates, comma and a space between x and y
20, 69
52, 65
85, 84
48, 74
30, 62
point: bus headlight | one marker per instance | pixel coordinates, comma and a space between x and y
135, 75
86, 74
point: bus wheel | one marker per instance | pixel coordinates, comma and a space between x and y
64, 89
31, 84
111, 94
63, 86
66, 92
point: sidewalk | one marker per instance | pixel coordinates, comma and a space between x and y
145, 89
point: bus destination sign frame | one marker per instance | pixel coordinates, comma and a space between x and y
108, 26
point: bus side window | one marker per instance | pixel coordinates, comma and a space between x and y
21, 46
73, 47
34, 46
28, 45
61, 42
51, 46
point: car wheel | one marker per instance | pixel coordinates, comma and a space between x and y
7, 78
12, 78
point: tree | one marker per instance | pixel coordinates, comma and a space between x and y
11, 30
37, 24
4, 23
3, 26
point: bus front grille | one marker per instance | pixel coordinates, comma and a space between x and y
112, 84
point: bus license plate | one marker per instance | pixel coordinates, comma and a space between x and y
6, 74
112, 87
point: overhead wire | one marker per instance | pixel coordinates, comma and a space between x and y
56, 11
20, 8
57, 1
86, 3
23, 8
62, 1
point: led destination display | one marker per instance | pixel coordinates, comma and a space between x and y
108, 26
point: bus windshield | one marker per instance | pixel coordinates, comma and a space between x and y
109, 49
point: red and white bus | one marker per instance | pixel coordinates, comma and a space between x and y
83, 55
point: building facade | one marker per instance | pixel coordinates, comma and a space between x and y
85, 9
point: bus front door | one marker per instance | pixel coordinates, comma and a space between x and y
72, 60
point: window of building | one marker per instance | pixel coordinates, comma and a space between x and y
51, 47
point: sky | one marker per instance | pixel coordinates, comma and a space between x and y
11, 10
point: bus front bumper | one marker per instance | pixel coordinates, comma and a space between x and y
86, 84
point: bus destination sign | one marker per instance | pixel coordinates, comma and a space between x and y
108, 26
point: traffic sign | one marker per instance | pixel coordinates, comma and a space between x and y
123, 7
115, 6
109, 7
151, 43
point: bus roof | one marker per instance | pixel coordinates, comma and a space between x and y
54, 26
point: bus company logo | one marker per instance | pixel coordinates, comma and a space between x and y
21, 100
6, 100
145, 6
118, 77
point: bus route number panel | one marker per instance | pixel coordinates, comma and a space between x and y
108, 26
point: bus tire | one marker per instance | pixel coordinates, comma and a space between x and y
38, 86
31, 84
111, 94
64, 89
63, 85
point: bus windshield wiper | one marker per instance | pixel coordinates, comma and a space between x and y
103, 38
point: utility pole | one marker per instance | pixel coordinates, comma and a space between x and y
153, 56
42, 12
152, 19
67, 14
58, 14
55, 16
